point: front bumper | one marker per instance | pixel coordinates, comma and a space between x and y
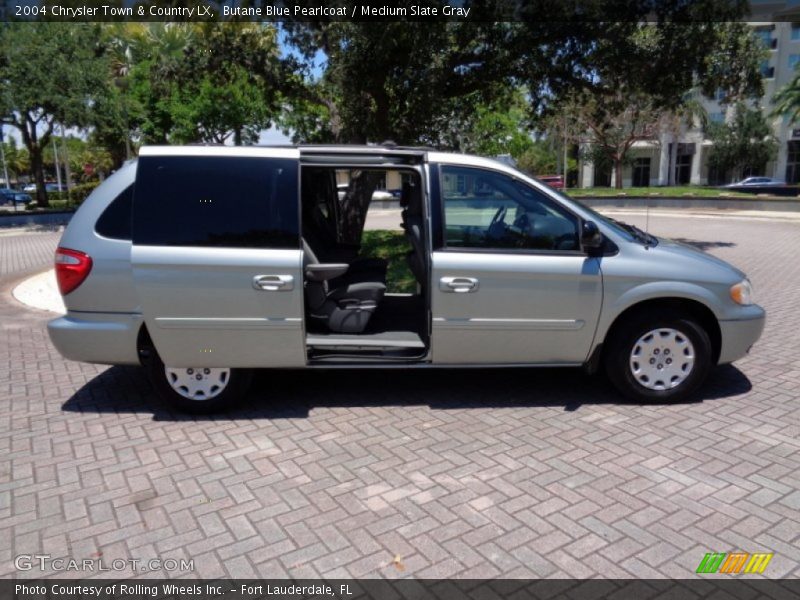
738, 336
104, 338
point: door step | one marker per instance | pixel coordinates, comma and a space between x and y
368, 341
387, 345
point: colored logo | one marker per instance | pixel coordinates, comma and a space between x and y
734, 562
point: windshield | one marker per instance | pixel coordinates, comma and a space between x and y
626, 231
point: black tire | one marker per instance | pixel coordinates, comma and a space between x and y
617, 357
237, 384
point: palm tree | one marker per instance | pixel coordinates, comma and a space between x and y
787, 100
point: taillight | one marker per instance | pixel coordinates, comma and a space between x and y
72, 267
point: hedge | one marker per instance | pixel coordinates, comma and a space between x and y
71, 199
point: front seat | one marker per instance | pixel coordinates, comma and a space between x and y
413, 218
341, 306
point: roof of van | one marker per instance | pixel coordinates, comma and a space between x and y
313, 150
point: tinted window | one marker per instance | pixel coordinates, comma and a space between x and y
486, 209
231, 202
115, 222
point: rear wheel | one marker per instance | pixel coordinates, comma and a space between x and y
199, 390
663, 358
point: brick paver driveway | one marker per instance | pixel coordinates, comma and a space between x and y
467, 473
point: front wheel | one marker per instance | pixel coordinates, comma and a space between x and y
663, 358
199, 390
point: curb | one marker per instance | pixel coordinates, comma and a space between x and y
689, 203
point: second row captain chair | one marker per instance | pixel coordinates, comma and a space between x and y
331, 300
319, 230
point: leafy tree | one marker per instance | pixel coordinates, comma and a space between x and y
49, 73
636, 79
399, 81
615, 125
184, 82
745, 142
490, 129
540, 159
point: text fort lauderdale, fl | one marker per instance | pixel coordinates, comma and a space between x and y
343, 11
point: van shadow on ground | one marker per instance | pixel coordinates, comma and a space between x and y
282, 394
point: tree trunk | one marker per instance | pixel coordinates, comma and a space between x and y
355, 204
618, 173
37, 166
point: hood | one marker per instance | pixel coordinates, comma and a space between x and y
687, 253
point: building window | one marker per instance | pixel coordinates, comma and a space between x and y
717, 117
641, 172
765, 35
793, 60
795, 32
793, 162
766, 71
720, 95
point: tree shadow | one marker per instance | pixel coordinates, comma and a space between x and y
704, 245
291, 394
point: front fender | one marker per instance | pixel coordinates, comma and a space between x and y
618, 301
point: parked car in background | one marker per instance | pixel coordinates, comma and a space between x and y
382, 195
50, 187
508, 272
755, 182
554, 181
341, 190
9, 196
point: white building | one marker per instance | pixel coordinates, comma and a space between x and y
651, 160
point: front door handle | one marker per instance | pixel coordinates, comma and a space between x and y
274, 283
458, 285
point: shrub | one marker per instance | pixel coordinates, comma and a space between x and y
74, 197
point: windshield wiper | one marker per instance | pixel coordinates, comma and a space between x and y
645, 238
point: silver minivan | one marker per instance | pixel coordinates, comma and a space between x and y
203, 263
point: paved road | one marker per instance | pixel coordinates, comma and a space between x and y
475, 473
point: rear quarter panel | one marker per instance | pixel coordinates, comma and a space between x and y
109, 287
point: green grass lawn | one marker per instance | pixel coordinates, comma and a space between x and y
663, 192
393, 246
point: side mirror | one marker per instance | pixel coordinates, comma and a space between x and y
591, 238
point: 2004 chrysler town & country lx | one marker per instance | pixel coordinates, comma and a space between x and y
203, 263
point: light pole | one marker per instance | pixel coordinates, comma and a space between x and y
3, 154
5, 168
55, 160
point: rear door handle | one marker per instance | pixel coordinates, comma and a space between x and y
274, 283
458, 285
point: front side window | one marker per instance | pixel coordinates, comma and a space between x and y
233, 202
489, 210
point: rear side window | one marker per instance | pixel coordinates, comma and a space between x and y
233, 202
115, 222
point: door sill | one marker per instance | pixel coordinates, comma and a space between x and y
387, 346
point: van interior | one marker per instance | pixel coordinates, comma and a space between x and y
365, 265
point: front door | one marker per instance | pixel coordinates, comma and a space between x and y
216, 256
510, 283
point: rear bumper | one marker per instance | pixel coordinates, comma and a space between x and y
738, 336
104, 338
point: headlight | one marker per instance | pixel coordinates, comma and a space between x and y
742, 293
